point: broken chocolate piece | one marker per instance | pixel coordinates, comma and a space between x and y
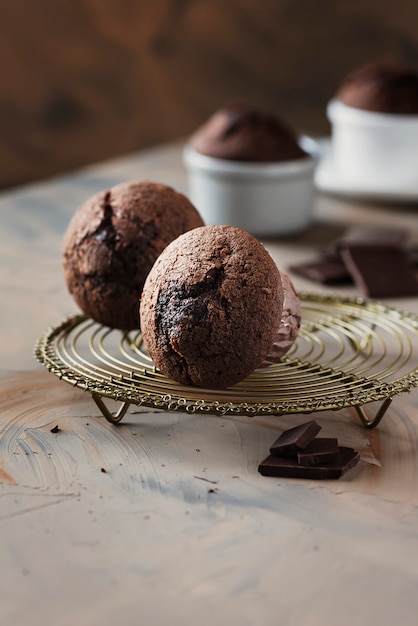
381, 271
320, 451
327, 270
285, 467
330, 268
367, 236
295, 438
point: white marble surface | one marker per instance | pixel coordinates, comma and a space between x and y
165, 518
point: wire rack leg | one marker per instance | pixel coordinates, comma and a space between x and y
371, 423
113, 418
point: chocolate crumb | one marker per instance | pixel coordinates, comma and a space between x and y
55, 429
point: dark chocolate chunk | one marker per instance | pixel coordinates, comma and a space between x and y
327, 270
286, 467
296, 438
332, 267
381, 271
367, 236
321, 450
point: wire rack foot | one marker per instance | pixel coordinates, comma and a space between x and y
113, 418
371, 423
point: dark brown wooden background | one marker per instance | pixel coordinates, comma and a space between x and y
84, 80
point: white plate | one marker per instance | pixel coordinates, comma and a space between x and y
329, 180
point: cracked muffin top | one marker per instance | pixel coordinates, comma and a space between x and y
242, 133
112, 242
211, 307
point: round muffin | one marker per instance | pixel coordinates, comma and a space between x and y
382, 88
211, 307
242, 133
112, 242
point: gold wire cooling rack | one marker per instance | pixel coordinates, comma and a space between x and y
350, 352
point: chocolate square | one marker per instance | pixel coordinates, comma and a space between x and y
296, 438
367, 236
381, 271
320, 451
285, 467
328, 270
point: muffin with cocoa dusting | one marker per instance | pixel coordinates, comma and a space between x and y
211, 307
112, 242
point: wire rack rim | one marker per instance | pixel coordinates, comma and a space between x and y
111, 388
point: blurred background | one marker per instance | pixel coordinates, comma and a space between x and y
88, 80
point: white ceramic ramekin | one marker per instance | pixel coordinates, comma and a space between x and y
270, 199
379, 148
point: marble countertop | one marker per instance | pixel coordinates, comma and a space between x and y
165, 517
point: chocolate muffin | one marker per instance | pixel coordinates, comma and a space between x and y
211, 307
112, 242
242, 133
382, 88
